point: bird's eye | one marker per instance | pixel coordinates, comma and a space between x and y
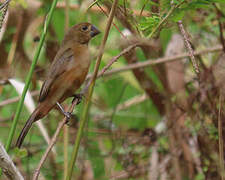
84, 28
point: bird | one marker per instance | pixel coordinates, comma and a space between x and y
66, 73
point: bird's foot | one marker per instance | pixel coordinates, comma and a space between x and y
68, 115
78, 97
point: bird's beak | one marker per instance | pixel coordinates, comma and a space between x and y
94, 31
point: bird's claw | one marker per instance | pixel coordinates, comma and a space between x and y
78, 97
68, 115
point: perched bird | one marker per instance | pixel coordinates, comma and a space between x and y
66, 73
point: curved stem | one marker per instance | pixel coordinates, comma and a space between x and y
28, 79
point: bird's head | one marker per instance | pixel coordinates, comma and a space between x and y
81, 33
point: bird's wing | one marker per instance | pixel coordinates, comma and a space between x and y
58, 67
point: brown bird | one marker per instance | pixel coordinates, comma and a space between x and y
66, 73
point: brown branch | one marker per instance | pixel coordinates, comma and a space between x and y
104, 72
190, 50
7, 165
15, 99
152, 62
133, 101
115, 58
3, 5
53, 141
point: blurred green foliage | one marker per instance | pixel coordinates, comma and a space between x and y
110, 142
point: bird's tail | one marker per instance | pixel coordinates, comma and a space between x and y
33, 117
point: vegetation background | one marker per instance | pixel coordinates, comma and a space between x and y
161, 118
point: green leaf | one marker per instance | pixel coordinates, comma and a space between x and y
165, 36
217, 1
198, 4
20, 152
58, 24
148, 23
153, 3
96, 160
200, 176
178, 15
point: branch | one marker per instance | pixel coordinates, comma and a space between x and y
106, 72
7, 165
131, 102
53, 141
15, 99
190, 50
151, 62
115, 58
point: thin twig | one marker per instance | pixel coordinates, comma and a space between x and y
115, 58
4, 4
15, 99
190, 50
143, 7
133, 101
53, 141
158, 61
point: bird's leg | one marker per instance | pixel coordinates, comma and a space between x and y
67, 114
78, 97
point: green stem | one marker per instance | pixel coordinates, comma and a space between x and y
87, 104
28, 79
66, 128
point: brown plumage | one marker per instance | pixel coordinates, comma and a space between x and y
66, 73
